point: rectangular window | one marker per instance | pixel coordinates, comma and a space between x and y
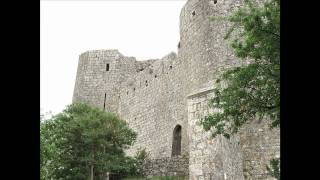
104, 104
107, 67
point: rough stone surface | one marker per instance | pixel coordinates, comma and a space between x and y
154, 96
258, 145
174, 166
210, 158
244, 156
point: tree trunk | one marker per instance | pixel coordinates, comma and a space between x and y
92, 173
93, 159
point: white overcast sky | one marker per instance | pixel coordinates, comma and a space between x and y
144, 29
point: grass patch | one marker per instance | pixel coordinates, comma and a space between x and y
134, 178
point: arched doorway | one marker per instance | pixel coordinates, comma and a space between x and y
176, 141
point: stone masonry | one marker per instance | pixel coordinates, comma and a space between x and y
244, 156
155, 96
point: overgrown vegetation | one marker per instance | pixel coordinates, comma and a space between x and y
252, 91
274, 169
141, 157
84, 142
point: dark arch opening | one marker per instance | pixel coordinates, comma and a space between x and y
176, 141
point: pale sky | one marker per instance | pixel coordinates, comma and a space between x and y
144, 29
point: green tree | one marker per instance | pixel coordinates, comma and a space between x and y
46, 149
84, 143
252, 91
44, 153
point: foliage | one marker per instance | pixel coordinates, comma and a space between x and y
253, 91
46, 151
274, 170
140, 157
84, 142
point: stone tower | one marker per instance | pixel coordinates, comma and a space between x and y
99, 75
164, 99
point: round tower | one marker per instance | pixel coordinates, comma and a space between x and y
99, 75
202, 45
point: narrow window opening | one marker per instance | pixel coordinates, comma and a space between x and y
127, 92
104, 103
155, 76
176, 141
215, 1
146, 83
170, 67
107, 67
193, 13
178, 45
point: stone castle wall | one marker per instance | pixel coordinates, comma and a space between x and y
153, 103
155, 96
93, 82
210, 158
259, 144
174, 166
243, 156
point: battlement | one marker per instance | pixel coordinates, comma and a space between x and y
102, 53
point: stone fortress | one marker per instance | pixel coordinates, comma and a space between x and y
164, 99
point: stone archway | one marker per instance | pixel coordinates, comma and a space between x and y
176, 141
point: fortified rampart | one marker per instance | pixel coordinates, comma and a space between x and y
163, 99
